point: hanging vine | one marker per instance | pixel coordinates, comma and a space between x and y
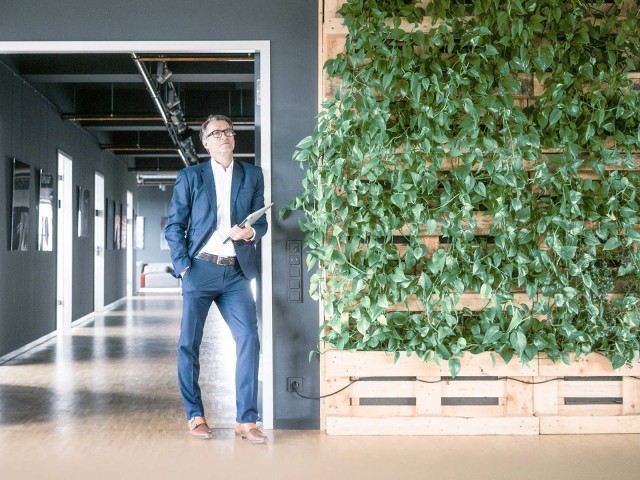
436, 129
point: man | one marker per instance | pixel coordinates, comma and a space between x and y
208, 202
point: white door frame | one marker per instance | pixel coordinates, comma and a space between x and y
64, 235
129, 245
207, 47
99, 243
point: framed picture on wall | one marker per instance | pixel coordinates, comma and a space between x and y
109, 208
163, 241
116, 226
123, 226
20, 205
83, 211
45, 212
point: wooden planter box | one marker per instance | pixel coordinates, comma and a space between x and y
587, 396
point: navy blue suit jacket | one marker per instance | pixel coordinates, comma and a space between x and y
193, 213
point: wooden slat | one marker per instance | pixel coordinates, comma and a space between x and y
630, 395
428, 396
489, 388
341, 363
519, 399
593, 365
389, 389
545, 397
604, 410
474, 411
584, 425
331, 8
335, 26
383, 411
484, 223
332, 46
472, 301
432, 243
590, 389
432, 426
337, 404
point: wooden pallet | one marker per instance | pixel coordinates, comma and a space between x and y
412, 397
591, 398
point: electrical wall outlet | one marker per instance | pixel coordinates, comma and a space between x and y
294, 384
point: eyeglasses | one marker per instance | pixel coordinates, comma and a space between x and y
229, 132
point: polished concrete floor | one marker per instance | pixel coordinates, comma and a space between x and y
103, 402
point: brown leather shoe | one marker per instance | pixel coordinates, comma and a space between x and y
250, 432
199, 428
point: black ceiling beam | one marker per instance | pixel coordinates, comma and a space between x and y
133, 78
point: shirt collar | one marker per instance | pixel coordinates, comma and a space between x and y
217, 168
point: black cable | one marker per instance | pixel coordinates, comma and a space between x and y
531, 383
295, 387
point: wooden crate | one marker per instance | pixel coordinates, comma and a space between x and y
590, 397
411, 397
395, 399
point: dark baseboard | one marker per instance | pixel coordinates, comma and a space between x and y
297, 424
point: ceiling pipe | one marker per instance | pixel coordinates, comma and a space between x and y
110, 118
196, 59
151, 89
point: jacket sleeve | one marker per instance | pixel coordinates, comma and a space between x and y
178, 222
257, 202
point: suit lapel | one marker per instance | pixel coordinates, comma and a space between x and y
236, 181
207, 178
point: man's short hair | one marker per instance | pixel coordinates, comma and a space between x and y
213, 118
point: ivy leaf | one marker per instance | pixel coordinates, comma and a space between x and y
518, 341
611, 244
454, 366
617, 361
305, 143
566, 252
490, 50
492, 335
554, 117
516, 320
485, 291
431, 226
437, 261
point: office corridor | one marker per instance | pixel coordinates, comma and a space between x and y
103, 402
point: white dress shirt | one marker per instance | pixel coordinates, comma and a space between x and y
215, 245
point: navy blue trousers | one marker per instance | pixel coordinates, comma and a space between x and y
204, 283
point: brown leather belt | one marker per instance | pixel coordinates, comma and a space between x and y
207, 257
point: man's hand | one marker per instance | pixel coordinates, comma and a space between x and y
245, 233
183, 273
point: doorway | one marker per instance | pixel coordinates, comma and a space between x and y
99, 242
263, 98
64, 238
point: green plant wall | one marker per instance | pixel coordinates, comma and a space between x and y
436, 126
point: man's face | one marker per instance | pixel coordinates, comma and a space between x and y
222, 145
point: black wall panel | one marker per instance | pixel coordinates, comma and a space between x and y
32, 132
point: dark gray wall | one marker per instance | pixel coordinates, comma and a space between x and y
291, 27
32, 131
152, 204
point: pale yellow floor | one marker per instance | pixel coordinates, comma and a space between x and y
102, 402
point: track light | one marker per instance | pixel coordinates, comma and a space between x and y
162, 73
173, 99
184, 135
